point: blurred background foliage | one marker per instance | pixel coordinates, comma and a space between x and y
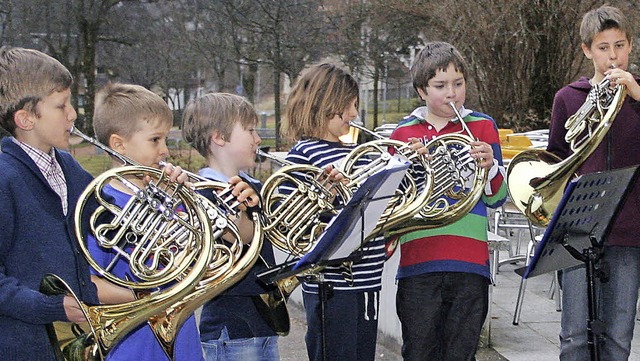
520, 52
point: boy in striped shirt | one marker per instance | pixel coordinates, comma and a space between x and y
443, 277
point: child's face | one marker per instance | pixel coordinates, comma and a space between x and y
242, 145
339, 125
445, 87
610, 48
52, 128
147, 145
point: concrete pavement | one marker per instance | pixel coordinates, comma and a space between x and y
535, 338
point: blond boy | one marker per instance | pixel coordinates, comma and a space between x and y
39, 187
222, 128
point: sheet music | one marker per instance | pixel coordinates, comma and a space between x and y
587, 208
344, 233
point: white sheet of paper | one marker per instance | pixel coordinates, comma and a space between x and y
378, 202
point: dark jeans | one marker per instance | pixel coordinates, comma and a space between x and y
442, 315
351, 325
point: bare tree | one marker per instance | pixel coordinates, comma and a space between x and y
72, 31
520, 51
371, 43
6, 8
289, 32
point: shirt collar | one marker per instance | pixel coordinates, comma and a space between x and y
44, 161
211, 173
421, 113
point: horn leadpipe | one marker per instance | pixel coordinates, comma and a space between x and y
462, 123
366, 130
281, 161
125, 160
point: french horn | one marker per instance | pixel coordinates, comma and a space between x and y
459, 180
297, 216
453, 181
226, 260
293, 221
169, 232
412, 194
536, 178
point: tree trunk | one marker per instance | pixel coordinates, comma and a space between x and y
376, 88
89, 34
276, 102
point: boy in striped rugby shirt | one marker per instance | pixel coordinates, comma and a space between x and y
443, 277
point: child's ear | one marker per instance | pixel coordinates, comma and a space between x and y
423, 94
586, 50
217, 138
23, 119
116, 142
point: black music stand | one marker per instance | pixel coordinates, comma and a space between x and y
577, 232
345, 234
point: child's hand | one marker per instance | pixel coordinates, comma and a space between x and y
335, 175
483, 152
245, 194
622, 77
72, 310
418, 146
176, 174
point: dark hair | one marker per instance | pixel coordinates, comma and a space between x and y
435, 56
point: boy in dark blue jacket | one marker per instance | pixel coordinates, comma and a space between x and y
39, 188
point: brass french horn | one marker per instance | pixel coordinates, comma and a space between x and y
230, 261
412, 194
226, 260
453, 181
294, 220
170, 235
536, 179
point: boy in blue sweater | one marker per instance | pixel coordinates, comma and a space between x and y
39, 187
134, 122
222, 128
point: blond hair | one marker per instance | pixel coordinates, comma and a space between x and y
436, 55
321, 93
121, 108
603, 18
215, 112
26, 77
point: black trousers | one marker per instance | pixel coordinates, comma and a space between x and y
442, 315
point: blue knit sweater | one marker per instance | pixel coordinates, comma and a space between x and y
36, 238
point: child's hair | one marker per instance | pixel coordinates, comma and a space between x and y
435, 56
217, 112
603, 18
26, 77
121, 108
321, 93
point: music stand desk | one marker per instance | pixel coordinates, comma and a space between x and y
587, 209
577, 232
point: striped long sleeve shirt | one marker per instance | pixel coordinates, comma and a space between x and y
460, 246
367, 271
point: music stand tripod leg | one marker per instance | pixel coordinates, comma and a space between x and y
324, 293
595, 327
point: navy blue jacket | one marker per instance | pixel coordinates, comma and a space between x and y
235, 308
36, 238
